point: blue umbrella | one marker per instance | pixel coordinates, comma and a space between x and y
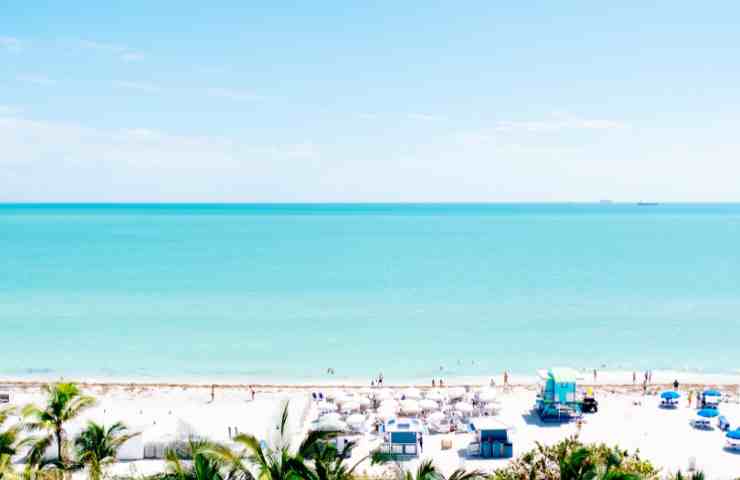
670, 395
708, 413
734, 435
712, 393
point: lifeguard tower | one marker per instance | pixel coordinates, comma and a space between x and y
557, 399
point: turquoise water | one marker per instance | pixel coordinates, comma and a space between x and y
286, 291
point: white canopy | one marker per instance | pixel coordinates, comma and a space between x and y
383, 394
389, 404
490, 407
330, 417
436, 395
352, 406
386, 413
364, 401
331, 425
428, 404
334, 394
356, 419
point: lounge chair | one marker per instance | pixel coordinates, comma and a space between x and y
4, 397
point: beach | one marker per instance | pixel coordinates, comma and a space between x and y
626, 418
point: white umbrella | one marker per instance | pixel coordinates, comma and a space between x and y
436, 395
386, 413
343, 398
409, 406
326, 407
330, 417
331, 425
364, 401
487, 395
412, 393
463, 407
383, 394
356, 419
428, 404
389, 404
456, 392
490, 407
365, 391
350, 406
436, 417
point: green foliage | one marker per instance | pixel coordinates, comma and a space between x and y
65, 402
572, 460
97, 446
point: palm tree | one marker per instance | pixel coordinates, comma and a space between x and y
10, 444
65, 402
208, 461
98, 446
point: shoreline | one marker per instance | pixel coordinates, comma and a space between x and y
605, 379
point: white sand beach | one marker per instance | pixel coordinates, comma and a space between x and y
626, 418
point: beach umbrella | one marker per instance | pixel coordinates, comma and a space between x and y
364, 401
436, 395
331, 425
487, 395
343, 398
386, 413
350, 406
708, 413
670, 395
428, 404
412, 393
389, 404
490, 407
334, 394
383, 394
326, 406
436, 417
331, 417
356, 419
734, 434
712, 393
463, 407
456, 392
410, 406
365, 391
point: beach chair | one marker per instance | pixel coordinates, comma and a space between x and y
4, 397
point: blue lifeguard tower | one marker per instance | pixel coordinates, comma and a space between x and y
557, 399
402, 437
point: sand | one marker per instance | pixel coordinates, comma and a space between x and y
626, 418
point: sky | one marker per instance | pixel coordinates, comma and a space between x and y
387, 101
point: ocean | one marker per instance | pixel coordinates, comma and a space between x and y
284, 292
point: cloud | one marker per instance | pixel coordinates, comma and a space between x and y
239, 95
139, 86
123, 52
39, 80
425, 117
557, 124
11, 44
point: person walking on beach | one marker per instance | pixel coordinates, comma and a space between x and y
675, 384
594, 375
213, 393
690, 397
506, 378
421, 442
634, 378
251, 390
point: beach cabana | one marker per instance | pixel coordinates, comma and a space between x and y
402, 437
669, 399
557, 397
492, 439
710, 398
733, 439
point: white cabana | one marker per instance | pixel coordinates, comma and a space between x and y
410, 407
411, 393
428, 404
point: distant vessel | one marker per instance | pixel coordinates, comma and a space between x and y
647, 204
605, 202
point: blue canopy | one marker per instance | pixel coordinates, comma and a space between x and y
708, 413
734, 435
670, 395
712, 393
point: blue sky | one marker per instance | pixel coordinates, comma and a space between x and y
369, 101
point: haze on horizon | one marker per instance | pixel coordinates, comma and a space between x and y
345, 102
